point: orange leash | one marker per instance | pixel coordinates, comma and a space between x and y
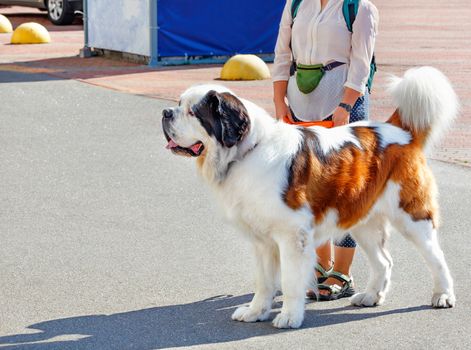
323, 123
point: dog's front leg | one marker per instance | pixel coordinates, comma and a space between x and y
297, 261
267, 271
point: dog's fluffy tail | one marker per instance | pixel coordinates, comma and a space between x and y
426, 102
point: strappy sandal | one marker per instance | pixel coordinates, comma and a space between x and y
337, 291
323, 275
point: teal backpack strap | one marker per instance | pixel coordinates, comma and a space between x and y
350, 10
294, 11
294, 8
373, 70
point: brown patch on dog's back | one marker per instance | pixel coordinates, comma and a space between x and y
303, 166
351, 180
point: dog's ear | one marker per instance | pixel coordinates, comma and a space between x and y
207, 112
224, 116
235, 119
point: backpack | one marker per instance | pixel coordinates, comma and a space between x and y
349, 10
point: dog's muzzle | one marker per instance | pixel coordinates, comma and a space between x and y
194, 150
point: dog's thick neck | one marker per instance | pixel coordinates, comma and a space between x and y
217, 161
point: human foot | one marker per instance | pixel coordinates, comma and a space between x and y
336, 286
321, 275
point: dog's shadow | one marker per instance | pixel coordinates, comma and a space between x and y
203, 322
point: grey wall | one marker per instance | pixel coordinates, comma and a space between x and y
121, 25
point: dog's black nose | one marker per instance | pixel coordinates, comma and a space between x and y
167, 113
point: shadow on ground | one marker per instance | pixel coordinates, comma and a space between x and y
74, 67
66, 68
203, 322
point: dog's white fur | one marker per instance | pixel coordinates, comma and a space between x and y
284, 240
426, 99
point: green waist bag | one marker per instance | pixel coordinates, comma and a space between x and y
308, 77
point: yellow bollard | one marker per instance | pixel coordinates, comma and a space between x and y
245, 67
30, 33
5, 25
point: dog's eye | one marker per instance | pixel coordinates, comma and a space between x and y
190, 112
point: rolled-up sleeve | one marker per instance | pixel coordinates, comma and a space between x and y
282, 60
365, 29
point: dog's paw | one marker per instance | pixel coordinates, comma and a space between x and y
443, 300
248, 314
366, 299
288, 320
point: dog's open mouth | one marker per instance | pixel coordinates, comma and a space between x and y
193, 151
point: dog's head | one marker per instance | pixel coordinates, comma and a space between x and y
204, 117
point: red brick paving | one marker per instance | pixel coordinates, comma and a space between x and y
412, 33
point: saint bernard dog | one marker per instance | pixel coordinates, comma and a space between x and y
290, 189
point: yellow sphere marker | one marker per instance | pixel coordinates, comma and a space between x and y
30, 33
5, 25
245, 67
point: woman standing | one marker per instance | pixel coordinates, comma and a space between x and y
318, 35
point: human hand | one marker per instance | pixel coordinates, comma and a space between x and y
282, 110
340, 117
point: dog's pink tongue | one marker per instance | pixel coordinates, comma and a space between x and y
171, 144
196, 147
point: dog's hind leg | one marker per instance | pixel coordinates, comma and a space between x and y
297, 260
372, 239
267, 271
423, 234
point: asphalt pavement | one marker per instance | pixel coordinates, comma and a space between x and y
108, 241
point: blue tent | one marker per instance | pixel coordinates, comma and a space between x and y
192, 29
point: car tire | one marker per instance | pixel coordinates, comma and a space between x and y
60, 12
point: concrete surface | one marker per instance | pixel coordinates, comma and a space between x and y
108, 241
